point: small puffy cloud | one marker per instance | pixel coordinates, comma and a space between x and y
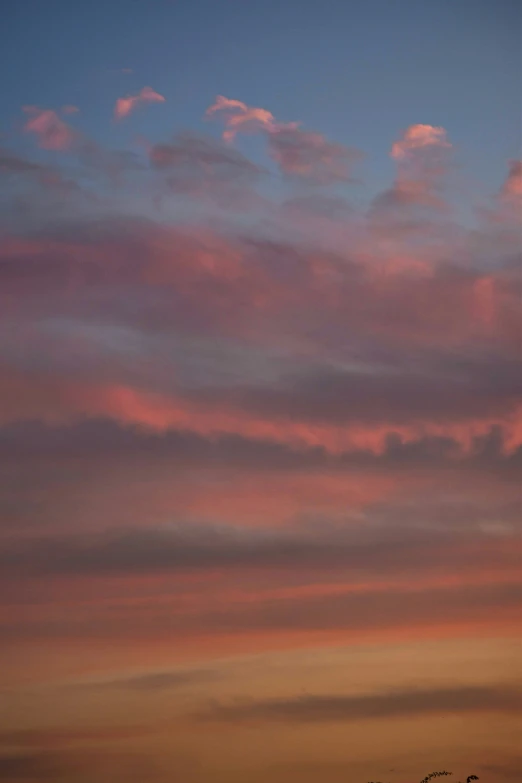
70, 109
237, 116
422, 159
124, 106
422, 153
419, 137
51, 131
227, 104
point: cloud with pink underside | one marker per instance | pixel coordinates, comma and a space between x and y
299, 154
237, 116
51, 131
422, 154
125, 106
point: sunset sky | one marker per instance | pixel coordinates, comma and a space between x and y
260, 390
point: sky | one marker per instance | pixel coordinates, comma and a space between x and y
260, 431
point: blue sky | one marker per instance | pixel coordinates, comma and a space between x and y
358, 71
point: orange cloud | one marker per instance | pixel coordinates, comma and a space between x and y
124, 106
51, 131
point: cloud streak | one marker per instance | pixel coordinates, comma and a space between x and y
398, 704
191, 546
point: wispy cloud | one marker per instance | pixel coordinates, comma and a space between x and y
196, 167
237, 116
311, 156
191, 546
125, 106
152, 681
51, 131
298, 153
396, 704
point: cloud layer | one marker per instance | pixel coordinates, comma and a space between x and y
246, 409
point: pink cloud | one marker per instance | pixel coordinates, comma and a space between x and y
124, 106
55, 401
419, 137
70, 109
169, 385
298, 153
237, 116
232, 289
51, 131
422, 161
422, 153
